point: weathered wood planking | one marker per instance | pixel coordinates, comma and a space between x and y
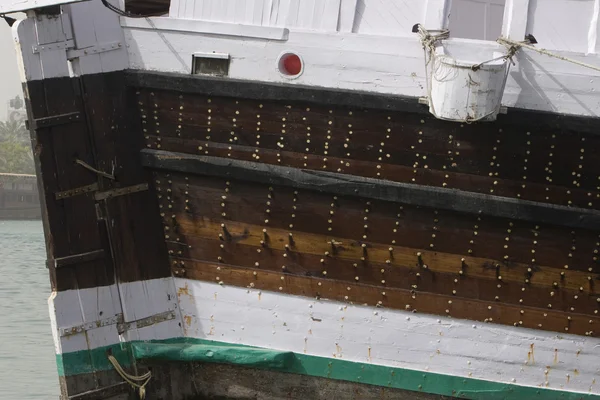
540, 165
424, 251
108, 141
511, 260
117, 139
71, 226
507, 241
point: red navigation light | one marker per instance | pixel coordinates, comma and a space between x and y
290, 64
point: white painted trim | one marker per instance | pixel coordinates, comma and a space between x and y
593, 32
437, 14
516, 13
85, 39
380, 64
11, 6
207, 27
347, 15
388, 337
220, 56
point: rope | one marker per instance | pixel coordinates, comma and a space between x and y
137, 382
90, 168
513, 43
429, 43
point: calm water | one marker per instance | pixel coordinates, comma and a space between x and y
27, 364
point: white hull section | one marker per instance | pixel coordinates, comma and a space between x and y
350, 44
329, 329
86, 319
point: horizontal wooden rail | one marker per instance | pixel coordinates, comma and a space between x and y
349, 185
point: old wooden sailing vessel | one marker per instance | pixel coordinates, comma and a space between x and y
318, 199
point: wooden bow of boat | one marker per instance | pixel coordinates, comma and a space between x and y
259, 205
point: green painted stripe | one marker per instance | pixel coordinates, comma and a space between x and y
200, 350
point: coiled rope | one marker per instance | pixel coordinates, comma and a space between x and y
137, 382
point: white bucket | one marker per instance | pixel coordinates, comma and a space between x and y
460, 92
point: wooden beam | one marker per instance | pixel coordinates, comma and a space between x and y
341, 184
272, 91
242, 89
516, 14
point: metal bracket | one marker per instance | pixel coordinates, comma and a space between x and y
76, 192
66, 45
141, 323
120, 191
55, 120
78, 258
74, 330
99, 48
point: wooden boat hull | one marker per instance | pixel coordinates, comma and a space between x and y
278, 241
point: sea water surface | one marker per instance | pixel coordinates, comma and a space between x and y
27, 362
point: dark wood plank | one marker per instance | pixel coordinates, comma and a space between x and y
344, 98
117, 136
341, 184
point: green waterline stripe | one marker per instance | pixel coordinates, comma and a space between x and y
200, 350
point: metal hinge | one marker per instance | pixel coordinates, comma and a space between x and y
143, 322
122, 326
48, 122
76, 192
66, 45
72, 52
100, 48
74, 330
78, 258
120, 191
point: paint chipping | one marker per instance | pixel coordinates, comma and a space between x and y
338, 350
185, 290
187, 319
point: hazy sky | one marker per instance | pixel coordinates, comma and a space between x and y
10, 83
